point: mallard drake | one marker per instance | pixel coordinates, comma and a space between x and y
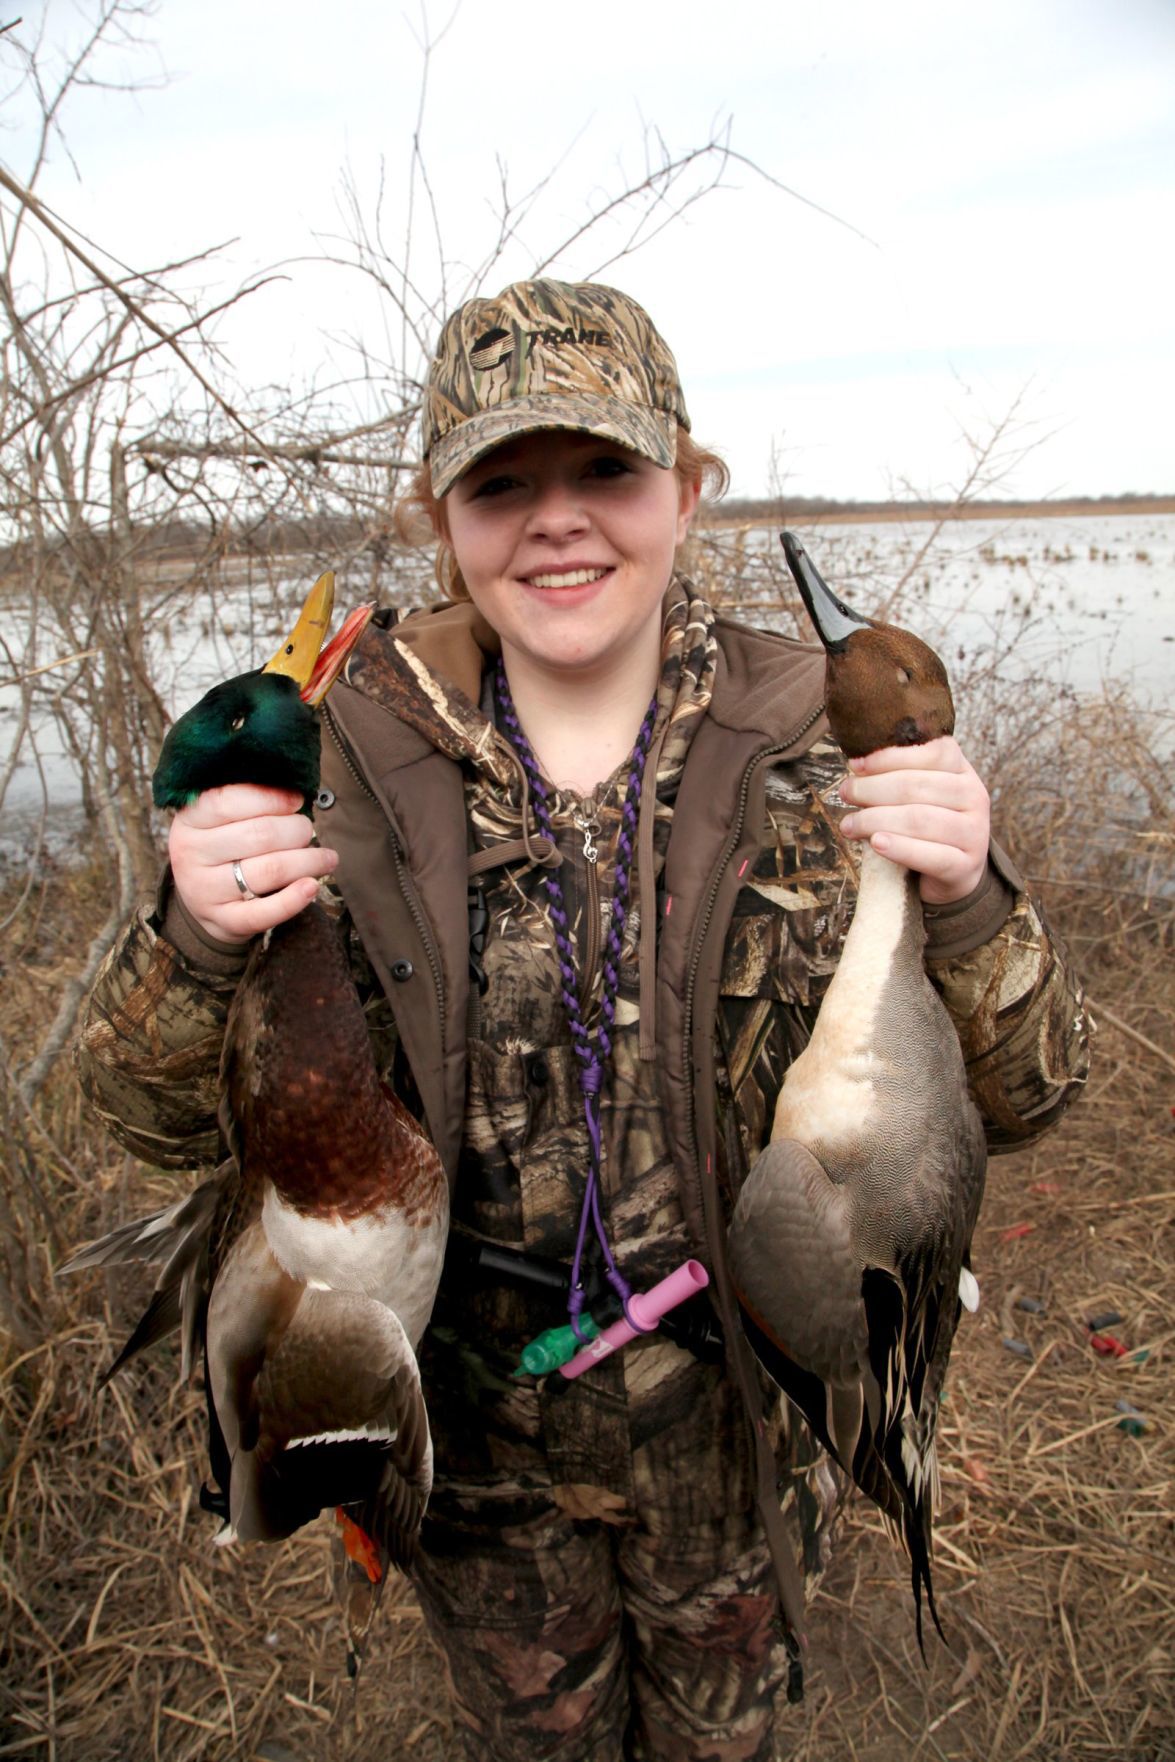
849, 1242
306, 1268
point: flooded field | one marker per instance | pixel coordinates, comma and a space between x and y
1082, 601
1087, 599
1024, 612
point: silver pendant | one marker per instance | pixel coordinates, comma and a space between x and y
588, 823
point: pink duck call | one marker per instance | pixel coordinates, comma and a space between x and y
648, 1307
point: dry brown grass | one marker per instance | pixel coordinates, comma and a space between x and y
128, 1636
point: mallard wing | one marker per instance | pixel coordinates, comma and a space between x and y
318, 1397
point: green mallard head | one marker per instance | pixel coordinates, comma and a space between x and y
261, 727
254, 729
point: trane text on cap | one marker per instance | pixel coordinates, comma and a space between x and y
548, 354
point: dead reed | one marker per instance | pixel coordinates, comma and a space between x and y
127, 1636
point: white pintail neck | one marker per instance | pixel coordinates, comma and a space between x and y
874, 937
829, 1091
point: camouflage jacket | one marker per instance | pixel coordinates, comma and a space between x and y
741, 897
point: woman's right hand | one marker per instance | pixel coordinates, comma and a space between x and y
263, 831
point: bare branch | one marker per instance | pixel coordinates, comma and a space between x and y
312, 453
74, 992
109, 369
653, 186
798, 196
29, 201
49, 666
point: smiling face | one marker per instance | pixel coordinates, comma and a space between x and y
566, 545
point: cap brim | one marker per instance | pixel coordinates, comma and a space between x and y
652, 433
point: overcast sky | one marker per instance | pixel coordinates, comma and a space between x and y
1011, 167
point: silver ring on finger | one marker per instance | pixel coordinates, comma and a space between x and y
245, 891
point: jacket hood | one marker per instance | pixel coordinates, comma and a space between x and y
428, 670
771, 685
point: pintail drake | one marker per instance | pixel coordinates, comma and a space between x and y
305, 1269
849, 1242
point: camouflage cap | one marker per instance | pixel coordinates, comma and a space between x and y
549, 354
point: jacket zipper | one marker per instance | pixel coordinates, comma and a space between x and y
345, 755
473, 1007
406, 889
591, 953
421, 923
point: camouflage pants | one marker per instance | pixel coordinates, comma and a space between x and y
634, 1619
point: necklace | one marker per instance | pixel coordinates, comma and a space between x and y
593, 1055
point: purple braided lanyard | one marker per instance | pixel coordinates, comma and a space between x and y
593, 1059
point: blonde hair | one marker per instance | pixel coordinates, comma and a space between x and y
419, 517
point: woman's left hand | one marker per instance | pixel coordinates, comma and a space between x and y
924, 807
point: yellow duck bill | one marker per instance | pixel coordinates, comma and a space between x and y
305, 656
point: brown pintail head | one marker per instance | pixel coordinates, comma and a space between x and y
887, 688
884, 687
549, 354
